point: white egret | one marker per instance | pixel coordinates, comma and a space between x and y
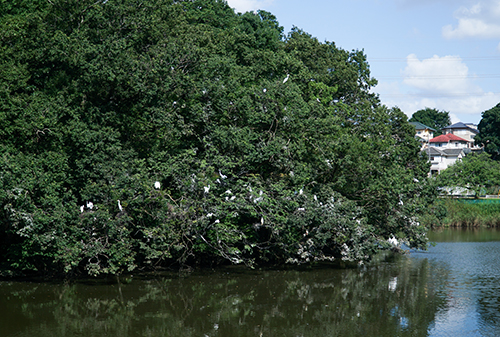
393, 241
222, 175
157, 185
206, 188
120, 206
81, 208
264, 90
90, 204
301, 191
286, 78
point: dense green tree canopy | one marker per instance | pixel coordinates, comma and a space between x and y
432, 117
266, 147
489, 132
475, 172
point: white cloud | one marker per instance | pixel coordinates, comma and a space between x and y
442, 83
438, 75
248, 5
480, 20
466, 108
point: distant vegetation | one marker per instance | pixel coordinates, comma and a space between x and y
432, 118
463, 213
145, 134
489, 132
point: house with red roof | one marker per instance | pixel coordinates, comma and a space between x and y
449, 141
445, 150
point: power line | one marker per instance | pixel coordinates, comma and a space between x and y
440, 77
440, 59
440, 95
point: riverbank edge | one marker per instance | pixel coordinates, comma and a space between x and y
463, 212
7, 275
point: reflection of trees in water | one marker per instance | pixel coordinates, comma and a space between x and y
388, 299
488, 305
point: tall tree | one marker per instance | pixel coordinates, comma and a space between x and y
489, 132
432, 117
266, 148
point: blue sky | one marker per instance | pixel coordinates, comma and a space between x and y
442, 54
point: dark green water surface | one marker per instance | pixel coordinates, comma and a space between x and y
451, 290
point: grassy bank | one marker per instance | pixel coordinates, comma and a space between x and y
463, 213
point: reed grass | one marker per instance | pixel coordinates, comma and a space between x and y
464, 213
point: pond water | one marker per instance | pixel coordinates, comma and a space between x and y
451, 290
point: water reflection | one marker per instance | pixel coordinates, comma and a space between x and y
465, 234
395, 298
471, 288
451, 290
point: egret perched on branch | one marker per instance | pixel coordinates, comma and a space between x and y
157, 185
223, 176
206, 188
90, 204
286, 78
120, 206
82, 208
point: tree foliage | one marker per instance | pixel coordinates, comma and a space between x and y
433, 118
267, 148
475, 172
489, 132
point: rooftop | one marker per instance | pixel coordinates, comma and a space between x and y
420, 126
461, 125
447, 138
433, 151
